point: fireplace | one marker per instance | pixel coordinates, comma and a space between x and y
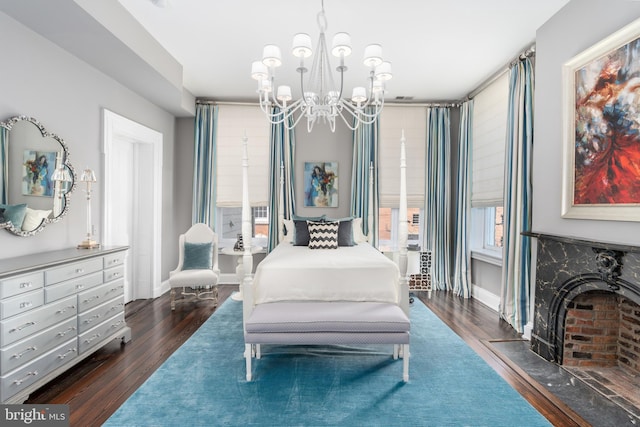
587, 305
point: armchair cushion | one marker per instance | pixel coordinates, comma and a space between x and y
197, 256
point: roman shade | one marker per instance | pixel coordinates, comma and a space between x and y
488, 146
393, 120
233, 122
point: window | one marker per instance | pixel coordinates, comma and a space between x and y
487, 234
388, 226
229, 221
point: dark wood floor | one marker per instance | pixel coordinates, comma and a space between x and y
96, 387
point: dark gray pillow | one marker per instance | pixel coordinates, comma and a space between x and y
301, 236
345, 233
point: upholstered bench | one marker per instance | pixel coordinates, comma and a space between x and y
327, 323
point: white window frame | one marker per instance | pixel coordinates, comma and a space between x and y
481, 230
392, 243
229, 242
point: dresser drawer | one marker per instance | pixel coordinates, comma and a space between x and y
72, 271
93, 317
19, 379
101, 332
94, 297
18, 354
70, 287
20, 284
114, 259
21, 303
19, 327
114, 273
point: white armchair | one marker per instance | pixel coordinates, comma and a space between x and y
197, 265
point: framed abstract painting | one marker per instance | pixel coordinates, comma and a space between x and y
601, 116
321, 184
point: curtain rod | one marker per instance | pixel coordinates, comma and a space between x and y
213, 102
530, 51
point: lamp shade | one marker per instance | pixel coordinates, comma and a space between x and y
61, 174
383, 71
301, 45
88, 175
373, 55
259, 71
271, 56
284, 93
341, 45
359, 94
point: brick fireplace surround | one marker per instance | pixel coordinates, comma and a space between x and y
587, 306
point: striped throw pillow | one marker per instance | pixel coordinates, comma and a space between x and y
323, 235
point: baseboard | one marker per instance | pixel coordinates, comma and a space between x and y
485, 297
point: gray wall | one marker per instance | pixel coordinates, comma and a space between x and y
323, 145
66, 95
575, 28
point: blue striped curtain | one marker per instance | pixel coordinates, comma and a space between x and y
4, 163
516, 269
204, 164
462, 262
365, 155
282, 145
437, 200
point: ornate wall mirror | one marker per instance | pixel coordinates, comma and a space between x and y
36, 177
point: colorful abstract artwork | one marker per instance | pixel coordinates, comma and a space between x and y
36, 175
607, 128
321, 184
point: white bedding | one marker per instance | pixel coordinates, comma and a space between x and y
351, 273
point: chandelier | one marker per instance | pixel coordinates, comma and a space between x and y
321, 99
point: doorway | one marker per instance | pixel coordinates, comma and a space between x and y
133, 201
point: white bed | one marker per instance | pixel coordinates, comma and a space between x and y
349, 273
343, 281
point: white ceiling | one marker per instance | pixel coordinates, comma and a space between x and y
440, 50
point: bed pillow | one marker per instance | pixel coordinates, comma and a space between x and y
33, 218
197, 256
301, 233
323, 235
15, 214
308, 218
289, 231
345, 233
358, 235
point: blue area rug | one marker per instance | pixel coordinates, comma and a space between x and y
203, 383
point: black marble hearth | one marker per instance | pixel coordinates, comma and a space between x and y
567, 267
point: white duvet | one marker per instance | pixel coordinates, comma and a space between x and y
351, 273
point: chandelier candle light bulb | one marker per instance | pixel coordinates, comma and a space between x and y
320, 98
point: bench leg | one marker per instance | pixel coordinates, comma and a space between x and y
396, 351
405, 362
247, 358
258, 351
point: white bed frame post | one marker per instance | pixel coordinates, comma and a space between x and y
247, 258
281, 205
403, 229
370, 238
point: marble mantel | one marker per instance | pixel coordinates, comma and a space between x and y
567, 267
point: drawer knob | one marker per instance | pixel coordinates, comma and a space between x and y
93, 337
26, 350
63, 333
25, 285
79, 270
21, 327
26, 377
91, 299
63, 355
92, 318
26, 304
80, 286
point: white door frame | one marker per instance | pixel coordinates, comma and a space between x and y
118, 127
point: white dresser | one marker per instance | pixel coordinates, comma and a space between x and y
57, 308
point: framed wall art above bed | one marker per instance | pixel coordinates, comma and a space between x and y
601, 105
321, 184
